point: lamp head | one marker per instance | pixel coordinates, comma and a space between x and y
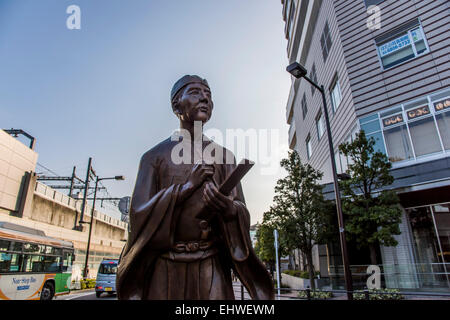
297, 70
119, 177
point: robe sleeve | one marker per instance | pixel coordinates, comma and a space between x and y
248, 267
152, 222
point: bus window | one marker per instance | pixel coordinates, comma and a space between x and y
17, 246
5, 262
33, 264
4, 245
67, 262
9, 262
32, 248
51, 264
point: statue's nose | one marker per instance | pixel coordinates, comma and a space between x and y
204, 96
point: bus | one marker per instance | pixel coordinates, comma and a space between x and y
32, 265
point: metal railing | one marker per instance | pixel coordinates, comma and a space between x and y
241, 294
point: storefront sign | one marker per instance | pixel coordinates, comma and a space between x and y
398, 118
394, 45
418, 112
442, 105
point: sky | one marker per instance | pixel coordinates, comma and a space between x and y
103, 91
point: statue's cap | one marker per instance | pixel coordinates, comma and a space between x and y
184, 81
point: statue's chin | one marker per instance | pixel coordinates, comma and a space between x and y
202, 118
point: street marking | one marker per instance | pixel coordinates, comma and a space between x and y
80, 295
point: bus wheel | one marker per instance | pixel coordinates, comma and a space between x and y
98, 294
48, 291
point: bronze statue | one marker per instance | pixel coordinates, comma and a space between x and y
173, 251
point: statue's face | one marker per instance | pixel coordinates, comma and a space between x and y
195, 103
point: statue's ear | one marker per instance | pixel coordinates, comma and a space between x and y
176, 108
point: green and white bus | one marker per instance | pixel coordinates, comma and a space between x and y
32, 265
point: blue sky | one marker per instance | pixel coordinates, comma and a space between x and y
103, 91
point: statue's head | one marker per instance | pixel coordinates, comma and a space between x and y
191, 99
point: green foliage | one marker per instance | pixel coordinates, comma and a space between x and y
315, 294
300, 212
87, 283
372, 214
264, 246
379, 294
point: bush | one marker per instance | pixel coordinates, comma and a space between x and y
87, 283
316, 294
379, 294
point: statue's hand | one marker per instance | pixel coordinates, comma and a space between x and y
200, 172
218, 202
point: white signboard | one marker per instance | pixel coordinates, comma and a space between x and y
394, 45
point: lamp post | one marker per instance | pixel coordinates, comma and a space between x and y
92, 219
298, 71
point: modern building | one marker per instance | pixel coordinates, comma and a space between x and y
385, 67
25, 201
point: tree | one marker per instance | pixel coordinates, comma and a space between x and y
264, 246
300, 212
372, 212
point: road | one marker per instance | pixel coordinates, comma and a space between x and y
86, 295
90, 294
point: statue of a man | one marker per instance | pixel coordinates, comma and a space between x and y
171, 253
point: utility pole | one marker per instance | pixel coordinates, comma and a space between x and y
71, 182
97, 179
275, 235
90, 231
298, 71
83, 204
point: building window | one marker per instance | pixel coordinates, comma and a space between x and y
422, 127
308, 146
313, 76
396, 136
325, 41
372, 2
412, 130
443, 120
291, 18
320, 125
336, 95
402, 44
304, 107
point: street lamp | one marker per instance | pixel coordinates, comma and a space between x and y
92, 218
298, 71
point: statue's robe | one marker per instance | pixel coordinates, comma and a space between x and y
156, 219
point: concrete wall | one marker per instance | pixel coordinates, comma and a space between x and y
15, 159
32, 204
52, 208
